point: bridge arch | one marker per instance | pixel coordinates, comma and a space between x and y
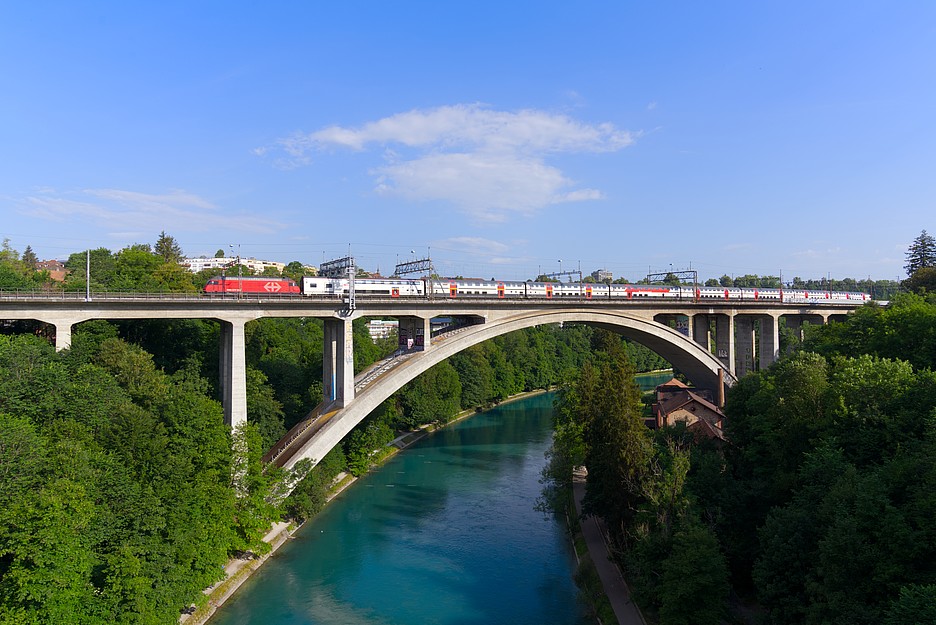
698, 364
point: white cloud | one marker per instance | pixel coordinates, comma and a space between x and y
131, 211
479, 252
489, 163
487, 186
473, 245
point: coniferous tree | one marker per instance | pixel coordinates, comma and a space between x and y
167, 248
922, 253
29, 257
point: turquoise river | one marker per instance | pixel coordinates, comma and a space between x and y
444, 533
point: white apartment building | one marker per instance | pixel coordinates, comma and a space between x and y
257, 266
382, 328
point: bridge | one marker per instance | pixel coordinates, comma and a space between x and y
712, 342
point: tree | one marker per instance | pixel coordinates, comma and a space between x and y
694, 581
923, 280
29, 257
917, 604
168, 248
220, 253
294, 270
618, 445
922, 253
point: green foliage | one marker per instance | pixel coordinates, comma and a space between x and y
694, 578
916, 605
311, 493
289, 353
294, 270
435, 396
253, 487
922, 281
116, 502
617, 443
361, 444
167, 248
639, 484
476, 376
20, 273
921, 253
905, 330
136, 268
831, 463
263, 409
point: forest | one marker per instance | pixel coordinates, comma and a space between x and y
122, 492
819, 508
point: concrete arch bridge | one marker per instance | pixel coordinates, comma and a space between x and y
748, 340
712, 342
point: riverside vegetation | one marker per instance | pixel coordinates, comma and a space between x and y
122, 492
820, 508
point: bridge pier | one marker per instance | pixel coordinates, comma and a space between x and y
724, 340
702, 331
769, 349
744, 344
338, 362
63, 334
233, 372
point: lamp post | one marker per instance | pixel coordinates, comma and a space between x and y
560, 270
240, 284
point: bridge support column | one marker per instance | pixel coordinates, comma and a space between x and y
724, 340
795, 325
338, 362
769, 341
415, 333
63, 333
744, 344
702, 331
233, 372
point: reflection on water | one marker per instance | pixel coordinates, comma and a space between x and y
649, 381
444, 533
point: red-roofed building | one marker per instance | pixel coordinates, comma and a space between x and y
677, 403
56, 269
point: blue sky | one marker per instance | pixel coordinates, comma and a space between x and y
501, 138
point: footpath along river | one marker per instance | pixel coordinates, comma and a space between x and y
444, 533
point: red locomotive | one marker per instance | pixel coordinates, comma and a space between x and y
252, 284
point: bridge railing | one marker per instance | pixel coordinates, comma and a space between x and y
295, 432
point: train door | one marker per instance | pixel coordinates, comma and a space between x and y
588, 291
395, 292
453, 289
549, 290
500, 290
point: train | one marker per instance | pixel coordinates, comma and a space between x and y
252, 284
394, 288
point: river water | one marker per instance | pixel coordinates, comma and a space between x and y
444, 533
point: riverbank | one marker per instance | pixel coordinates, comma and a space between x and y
595, 536
238, 570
